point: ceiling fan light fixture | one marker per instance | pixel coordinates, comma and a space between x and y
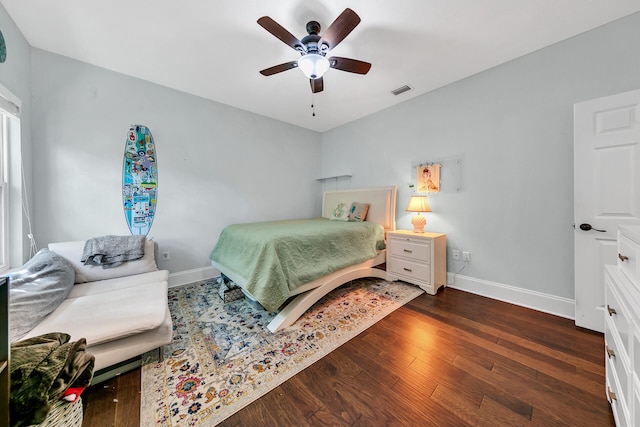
313, 65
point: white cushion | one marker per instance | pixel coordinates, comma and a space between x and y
112, 352
72, 252
110, 285
109, 316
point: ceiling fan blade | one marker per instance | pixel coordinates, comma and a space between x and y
279, 68
317, 85
339, 29
280, 32
350, 65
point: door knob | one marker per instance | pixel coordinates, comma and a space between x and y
587, 227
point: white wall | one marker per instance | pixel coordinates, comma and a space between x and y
512, 126
14, 75
217, 165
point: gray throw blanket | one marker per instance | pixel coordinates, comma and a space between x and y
112, 251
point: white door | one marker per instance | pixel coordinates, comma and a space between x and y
606, 193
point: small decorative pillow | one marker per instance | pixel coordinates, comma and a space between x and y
358, 211
340, 213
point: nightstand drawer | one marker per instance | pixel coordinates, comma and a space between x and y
414, 270
407, 248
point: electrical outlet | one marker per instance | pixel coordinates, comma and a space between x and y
166, 256
455, 254
466, 256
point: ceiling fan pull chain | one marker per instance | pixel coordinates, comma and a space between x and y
313, 108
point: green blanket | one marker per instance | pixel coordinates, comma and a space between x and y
42, 368
279, 256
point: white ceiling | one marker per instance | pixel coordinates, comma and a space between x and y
215, 48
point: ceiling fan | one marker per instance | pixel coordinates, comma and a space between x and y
313, 48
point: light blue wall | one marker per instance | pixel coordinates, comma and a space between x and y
217, 164
512, 128
14, 75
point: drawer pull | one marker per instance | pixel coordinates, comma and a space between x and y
623, 258
407, 269
611, 310
610, 352
408, 251
612, 395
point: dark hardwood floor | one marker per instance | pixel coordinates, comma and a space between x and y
456, 359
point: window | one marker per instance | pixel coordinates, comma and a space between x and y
4, 193
10, 173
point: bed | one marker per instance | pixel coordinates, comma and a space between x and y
280, 264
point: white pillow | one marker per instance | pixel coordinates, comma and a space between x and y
340, 212
72, 252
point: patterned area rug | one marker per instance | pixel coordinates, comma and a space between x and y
223, 357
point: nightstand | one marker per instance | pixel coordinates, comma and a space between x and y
417, 258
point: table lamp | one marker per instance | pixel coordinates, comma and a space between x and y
418, 203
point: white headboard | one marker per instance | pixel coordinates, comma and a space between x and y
382, 203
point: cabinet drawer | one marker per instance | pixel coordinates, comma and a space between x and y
419, 250
628, 252
616, 357
414, 270
616, 313
618, 405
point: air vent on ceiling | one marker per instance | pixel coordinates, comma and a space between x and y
401, 89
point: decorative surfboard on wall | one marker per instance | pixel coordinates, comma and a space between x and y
139, 180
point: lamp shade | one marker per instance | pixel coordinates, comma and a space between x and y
313, 65
418, 203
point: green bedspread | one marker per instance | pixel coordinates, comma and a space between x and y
279, 256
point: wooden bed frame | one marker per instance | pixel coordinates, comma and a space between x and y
382, 209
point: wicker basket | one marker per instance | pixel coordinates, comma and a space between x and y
64, 414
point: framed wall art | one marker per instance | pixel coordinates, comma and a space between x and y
428, 178
436, 176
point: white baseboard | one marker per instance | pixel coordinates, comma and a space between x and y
563, 307
189, 276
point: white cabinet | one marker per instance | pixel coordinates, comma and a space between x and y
622, 329
418, 258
